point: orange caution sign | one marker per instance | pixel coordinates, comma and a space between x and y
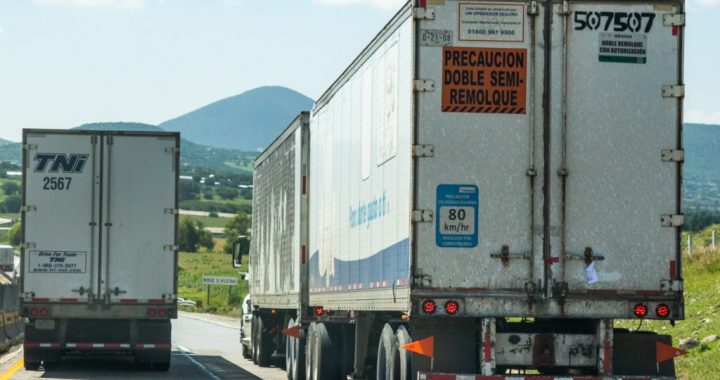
665, 352
484, 80
423, 346
292, 331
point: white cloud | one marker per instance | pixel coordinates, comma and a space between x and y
384, 4
116, 4
702, 117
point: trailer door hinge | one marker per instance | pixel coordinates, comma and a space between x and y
28, 208
672, 155
172, 150
109, 140
671, 220
29, 245
423, 85
423, 13
674, 19
30, 146
677, 91
564, 9
170, 247
93, 139
421, 216
423, 151
671, 285
172, 211
169, 297
532, 9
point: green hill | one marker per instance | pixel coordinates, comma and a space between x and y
248, 122
191, 154
702, 172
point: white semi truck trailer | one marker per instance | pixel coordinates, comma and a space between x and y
503, 177
99, 253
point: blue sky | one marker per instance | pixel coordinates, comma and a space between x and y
68, 62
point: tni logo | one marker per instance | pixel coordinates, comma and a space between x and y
56, 162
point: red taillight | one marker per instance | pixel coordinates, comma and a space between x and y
451, 307
162, 313
429, 306
34, 312
152, 313
44, 312
662, 310
319, 311
640, 310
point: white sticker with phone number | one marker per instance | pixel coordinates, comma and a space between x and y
57, 262
492, 22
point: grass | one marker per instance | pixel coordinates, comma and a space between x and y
701, 273
192, 268
209, 221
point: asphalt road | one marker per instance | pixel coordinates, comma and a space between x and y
204, 347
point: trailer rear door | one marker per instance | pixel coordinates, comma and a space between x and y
621, 139
139, 217
60, 216
478, 184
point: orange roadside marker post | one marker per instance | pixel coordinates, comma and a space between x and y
664, 352
292, 331
425, 347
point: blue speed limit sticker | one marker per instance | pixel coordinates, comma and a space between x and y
457, 219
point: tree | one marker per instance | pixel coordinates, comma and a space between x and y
192, 235
15, 236
189, 190
226, 193
239, 225
10, 188
12, 204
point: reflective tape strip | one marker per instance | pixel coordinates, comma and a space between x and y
40, 345
157, 346
128, 300
110, 346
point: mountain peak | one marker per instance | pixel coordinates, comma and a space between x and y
248, 121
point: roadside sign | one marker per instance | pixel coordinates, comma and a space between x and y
215, 280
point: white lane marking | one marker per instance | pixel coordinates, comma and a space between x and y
185, 351
184, 315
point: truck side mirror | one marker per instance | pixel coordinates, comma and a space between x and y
241, 247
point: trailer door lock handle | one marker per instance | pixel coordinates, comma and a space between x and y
116, 292
82, 290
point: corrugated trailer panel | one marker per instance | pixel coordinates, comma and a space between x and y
276, 245
360, 184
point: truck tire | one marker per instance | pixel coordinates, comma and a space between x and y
253, 339
290, 354
246, 352
386, 347
309, 350
263, 344
325, 363
299, 365
401, 365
